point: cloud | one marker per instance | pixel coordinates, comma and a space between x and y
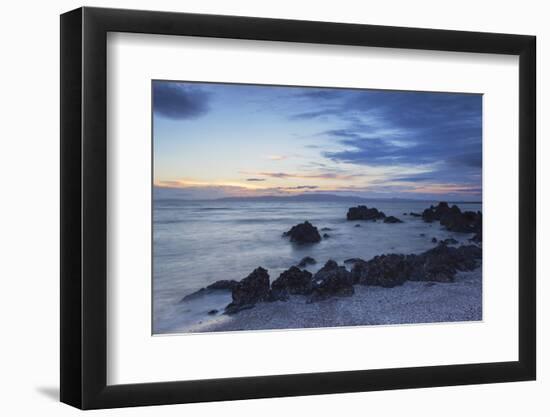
179, 100
321, 175
255, 179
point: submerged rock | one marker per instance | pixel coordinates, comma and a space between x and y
303, 233
331, 281
212, 312
392, 219
415, 214
308, 260
364, 213
434, 240
450, 241
326, 236
292, 281
357, 225
249, 291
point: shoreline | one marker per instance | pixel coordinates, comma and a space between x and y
414, 302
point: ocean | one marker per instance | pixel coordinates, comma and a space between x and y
196, 243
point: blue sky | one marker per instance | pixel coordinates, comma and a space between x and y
220, 140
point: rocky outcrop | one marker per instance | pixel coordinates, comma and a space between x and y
308, 260
385, 271
292, 281
392, 219
249, 291
453, 219
364, 213
441, 263
331, 281
224, 284
303, 233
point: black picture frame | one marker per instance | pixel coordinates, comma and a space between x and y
84, 207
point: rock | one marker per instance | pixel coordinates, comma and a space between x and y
450, 241
415, 214
364, 213
477, 237
434, 240
249, 291
422, 235
326, 235
357, 225
303, 233
331, 281
212, 312
453, 219
308, 260
292, 281
224, 284
441, 263
326, 229
392, 219
404, 214
353, 260
385, 271
196, 294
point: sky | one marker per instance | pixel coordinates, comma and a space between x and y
233, 140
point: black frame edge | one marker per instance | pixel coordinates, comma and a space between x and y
83, 208
70, 219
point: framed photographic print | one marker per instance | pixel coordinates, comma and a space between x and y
258, 207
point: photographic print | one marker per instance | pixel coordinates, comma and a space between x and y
289, 207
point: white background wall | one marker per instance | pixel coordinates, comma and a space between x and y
29, 237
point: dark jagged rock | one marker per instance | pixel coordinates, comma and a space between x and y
450, 241
392, 219
249, 291
308, 260
292, 281
404, 214
415, 214
326, 229
453, 219
364, 213
434, 213
326, 235
357, 225
331, 281
303, 233
434, 240
224, 284
212, 312
441, 263
385, 271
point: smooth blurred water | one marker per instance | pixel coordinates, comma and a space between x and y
198, 243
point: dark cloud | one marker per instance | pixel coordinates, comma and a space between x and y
255, 179
179, 100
